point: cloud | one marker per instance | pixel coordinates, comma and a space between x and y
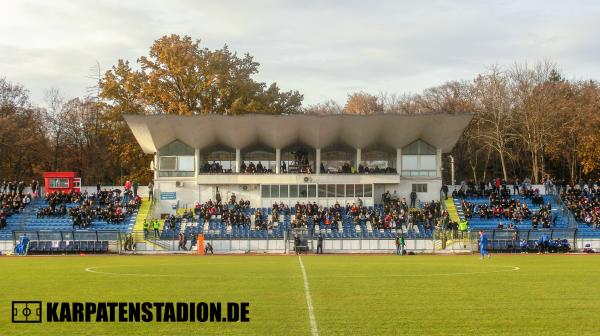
322, 48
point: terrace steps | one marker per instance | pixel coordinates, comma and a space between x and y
452, 210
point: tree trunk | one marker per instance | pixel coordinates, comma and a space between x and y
501, 153
485, 166
534, 167
474, 170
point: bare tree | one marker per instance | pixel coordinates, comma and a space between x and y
494, 107
329, 107
56, 122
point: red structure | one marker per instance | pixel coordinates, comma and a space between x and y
62, 181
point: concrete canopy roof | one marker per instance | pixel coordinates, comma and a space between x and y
280, 131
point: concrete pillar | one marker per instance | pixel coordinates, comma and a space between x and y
277, 161
399, 161
156, 166
438, 162
452, 182
238, 160
358, 157
318, 161
197, 162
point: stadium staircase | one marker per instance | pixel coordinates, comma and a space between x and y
453, 211
444, 241
145, 213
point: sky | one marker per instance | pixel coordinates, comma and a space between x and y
324, 49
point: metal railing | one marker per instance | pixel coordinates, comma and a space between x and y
441, 241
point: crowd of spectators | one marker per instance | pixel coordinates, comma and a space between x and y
583, 200
13, 198
503, 207
349, 168
232, 212
112, 206
299, 164
394, 215
501, 188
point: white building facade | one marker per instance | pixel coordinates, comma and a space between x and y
344, 158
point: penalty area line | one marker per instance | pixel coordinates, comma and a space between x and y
311, 312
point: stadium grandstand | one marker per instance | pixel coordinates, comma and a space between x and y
292, 182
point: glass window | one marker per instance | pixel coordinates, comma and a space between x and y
368, 190
274, 191
283, 191
186, 163
359, 190
428, 162
265, 191
339, 191
312, 190
302, 191
419, 147
59, 183
322, 190
349, 190
177, 148
409, 162
419, 187
168, 163
331, 190
294, 191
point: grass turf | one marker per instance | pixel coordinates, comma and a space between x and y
351, 295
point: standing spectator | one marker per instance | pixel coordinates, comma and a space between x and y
516, 187
181, 241
402, 244
98, 188
413, 199
320, 245
34, 187
150, 191
135, 188
445, 191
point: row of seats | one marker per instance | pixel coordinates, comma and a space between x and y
215, 228
531, 246
48, 247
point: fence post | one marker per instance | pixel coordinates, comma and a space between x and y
118, 244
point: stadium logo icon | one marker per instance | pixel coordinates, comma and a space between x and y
27, 312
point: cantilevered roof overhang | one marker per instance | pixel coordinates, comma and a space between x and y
279, 131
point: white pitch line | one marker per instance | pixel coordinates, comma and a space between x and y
311, 312
92, 270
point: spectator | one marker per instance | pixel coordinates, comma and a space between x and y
150, 191
208, 248
320, 245
413, 199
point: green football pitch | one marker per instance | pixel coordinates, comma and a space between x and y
341, 294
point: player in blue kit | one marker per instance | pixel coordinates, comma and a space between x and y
483, 244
